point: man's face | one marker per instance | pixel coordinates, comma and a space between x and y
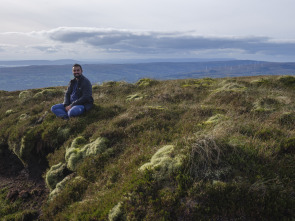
77, 72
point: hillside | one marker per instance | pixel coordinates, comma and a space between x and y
191, 149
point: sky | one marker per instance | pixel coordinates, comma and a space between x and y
145, 29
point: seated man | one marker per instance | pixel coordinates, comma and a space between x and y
78, 97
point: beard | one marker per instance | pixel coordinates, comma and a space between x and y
77, 75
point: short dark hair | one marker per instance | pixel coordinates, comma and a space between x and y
78, 65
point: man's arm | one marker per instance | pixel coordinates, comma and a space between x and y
67, 95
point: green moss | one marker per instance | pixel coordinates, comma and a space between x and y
9, 210
63, 133
59, 187
215, 119
27, 146
24, 149
156, 107
71, 191
200, 83
230, 87
94, 87
110, 84
22, 215
145, 82
262, 82
78, 142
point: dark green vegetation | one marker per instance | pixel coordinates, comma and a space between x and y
195, 149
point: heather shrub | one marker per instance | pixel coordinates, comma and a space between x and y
287, 119
48, 94
288, 81
266, 104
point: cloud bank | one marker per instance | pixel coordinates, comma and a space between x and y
157, 42
65, 40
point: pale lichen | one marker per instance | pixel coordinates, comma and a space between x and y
215, 119
144, 82
62, 185
55, 175
25, 95
165, 161
75, 154
9, 112
134, 97
117, 213
230, 87
266, 104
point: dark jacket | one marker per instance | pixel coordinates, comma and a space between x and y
84, 93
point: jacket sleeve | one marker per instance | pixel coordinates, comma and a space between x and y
86, 91
67, 95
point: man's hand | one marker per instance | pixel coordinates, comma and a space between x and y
68, 108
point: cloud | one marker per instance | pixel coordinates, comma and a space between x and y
2, 48
77, 42
167, 42
46, 49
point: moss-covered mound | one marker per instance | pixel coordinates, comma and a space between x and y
192, 149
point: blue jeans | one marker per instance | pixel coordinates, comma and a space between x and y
60, 111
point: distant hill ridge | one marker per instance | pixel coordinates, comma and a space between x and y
39, 76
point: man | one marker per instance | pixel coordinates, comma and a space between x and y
78, 97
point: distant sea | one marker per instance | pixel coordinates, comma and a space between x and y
15, 76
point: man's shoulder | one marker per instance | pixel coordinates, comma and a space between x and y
84, 79
72, 81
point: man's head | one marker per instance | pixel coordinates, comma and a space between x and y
77, 70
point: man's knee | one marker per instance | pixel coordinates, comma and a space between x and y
57, 106
76, 111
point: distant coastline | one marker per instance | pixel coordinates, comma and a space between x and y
20, 75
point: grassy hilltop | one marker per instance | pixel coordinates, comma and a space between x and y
194, 149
